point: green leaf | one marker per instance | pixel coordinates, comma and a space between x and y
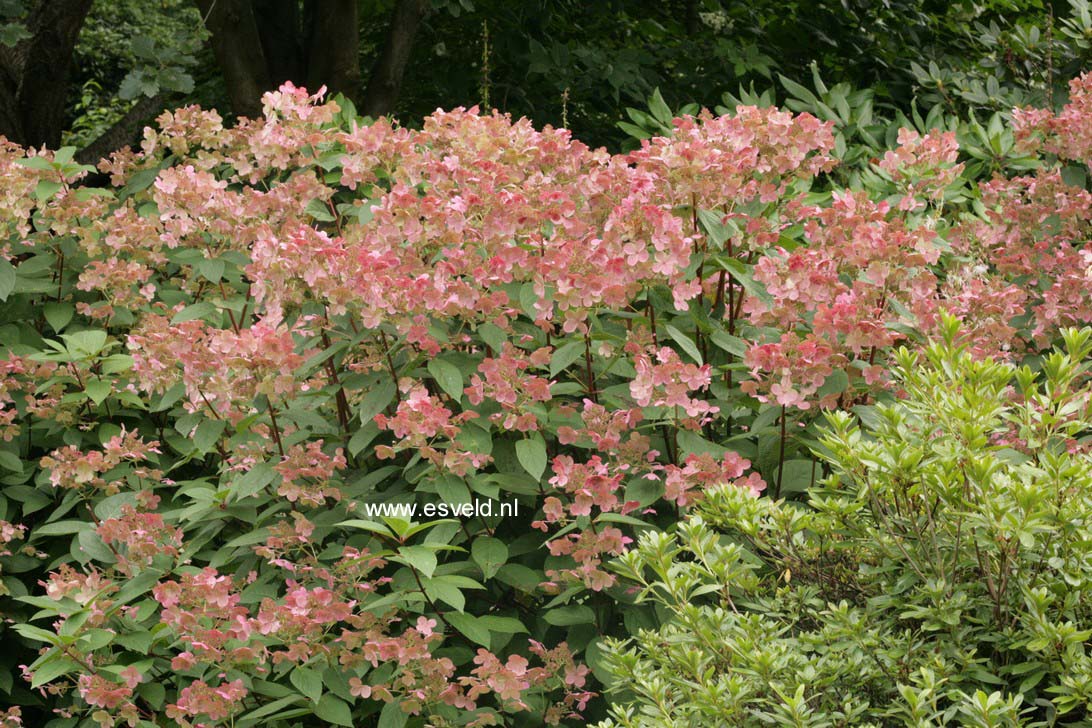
742, 273
92, 545
835, 383
798, 476
208, 434
39, 163
521, 577
95, 639
7, 278
367, 526
265, 710
731, 344
362, 438
252, 481
50, 671
421, 558
494, 336
45, 189
504, 625
685, 342
335, 710
58, 315
194, 311
564, 356
659, 108
377, 400
570, 615
97, 390
448, 376
63, 528
308, 682
319, 210
392, 716
37, 633
85, 344
212, 269
445, 591
470, 626
718, 232
10, 461
489, 554
531, 453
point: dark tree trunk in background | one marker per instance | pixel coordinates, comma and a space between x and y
390, 67
237, 46
260, 44
279, 25
34, 74
125, 131
691, 18
334, 57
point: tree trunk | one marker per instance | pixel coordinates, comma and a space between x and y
691, 17
125, 131
279, 30
35, 75
334, 49
238, 49
11, 126
390, 68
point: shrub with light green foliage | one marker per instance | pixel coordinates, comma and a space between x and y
941, 575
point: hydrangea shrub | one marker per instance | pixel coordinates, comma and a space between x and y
218, 364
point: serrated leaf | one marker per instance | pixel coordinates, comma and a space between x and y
519, 576
46, 189
445, 591
729, 343
742, 273
376, 528
212, 269
7, 279
265, 710
92, 545
62, 528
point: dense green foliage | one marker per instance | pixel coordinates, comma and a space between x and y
939, 576
581, 64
